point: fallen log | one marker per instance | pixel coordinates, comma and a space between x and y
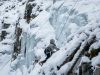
84, 47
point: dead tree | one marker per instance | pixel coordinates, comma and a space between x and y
70, 57
86, 46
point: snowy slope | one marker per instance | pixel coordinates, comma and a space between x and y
72, 23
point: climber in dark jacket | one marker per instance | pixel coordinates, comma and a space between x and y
50, 50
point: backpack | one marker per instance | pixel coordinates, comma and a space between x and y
47, 50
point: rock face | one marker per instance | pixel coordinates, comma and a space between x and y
3, 34
17, 44
28, 12
30, 6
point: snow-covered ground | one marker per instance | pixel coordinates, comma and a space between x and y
69, 22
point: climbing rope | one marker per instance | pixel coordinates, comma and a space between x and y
67, 18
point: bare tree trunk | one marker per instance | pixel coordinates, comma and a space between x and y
70, 57
85, 47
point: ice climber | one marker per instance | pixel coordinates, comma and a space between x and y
49, 50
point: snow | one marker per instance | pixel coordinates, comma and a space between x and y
96, 60
73, 27
36, 70
64, 69
69, 22
85, 59
5, 64
58, 4
5, 72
